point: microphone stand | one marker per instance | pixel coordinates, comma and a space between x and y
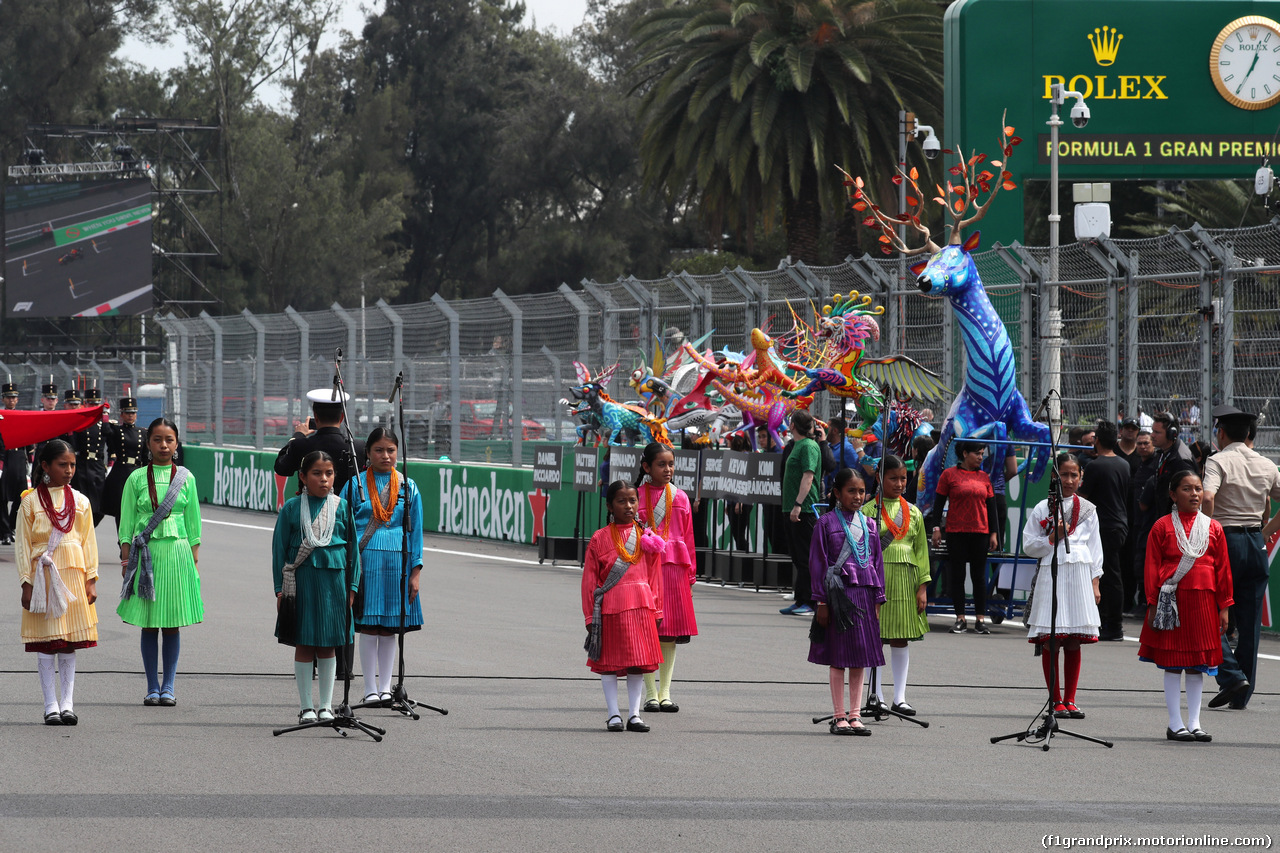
343, 716
1049, 728
400, 701
339, 395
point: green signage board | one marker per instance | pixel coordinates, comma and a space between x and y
1177, 89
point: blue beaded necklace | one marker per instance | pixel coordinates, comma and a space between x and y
861, 547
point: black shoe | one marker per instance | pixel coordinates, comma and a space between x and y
1201, 735
1111, 636
635, 724
615, 727
69, 718
1180, 735
53, 718
860, 730
904, 709
959, 627
651, 706
980, 627
1229, 693
668, 707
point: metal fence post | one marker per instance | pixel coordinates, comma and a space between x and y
259, 380
101, 374
1129, 265
648, 301
455, 378
1222, 256
555, 370
517, 376
609, 328
216, 328
397, 339
752, 293
304, 352
1228, 321
350, 323
584, 321
699, 303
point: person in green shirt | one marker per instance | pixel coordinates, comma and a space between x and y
800, 479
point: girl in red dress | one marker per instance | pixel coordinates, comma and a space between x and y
1188, 579
665, 510
622, 604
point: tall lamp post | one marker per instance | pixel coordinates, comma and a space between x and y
909, 127
1051, 331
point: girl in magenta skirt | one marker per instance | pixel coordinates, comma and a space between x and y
665, 510
846, 571
1188, 579
622, 604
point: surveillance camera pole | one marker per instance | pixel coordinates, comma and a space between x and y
1051, 332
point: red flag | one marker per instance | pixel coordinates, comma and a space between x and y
19, 429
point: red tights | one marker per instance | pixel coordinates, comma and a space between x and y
1071, 673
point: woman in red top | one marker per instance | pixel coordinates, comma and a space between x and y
1186, 564
665, 510
622, 604
971, 506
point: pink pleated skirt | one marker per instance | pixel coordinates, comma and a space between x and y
628, 643
678, 622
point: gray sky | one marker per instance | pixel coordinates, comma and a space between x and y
562, 15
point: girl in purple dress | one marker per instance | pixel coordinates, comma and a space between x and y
847, 574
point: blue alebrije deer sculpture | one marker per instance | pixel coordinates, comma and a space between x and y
989, 407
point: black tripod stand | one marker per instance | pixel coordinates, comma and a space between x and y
343, 716
1049, 728
400, 701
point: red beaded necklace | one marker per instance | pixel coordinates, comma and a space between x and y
61, 519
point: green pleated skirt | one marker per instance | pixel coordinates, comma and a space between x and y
899, 618
177, 582
321, 609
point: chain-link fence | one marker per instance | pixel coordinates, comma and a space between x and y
1173, 323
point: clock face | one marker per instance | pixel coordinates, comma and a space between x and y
1245, 62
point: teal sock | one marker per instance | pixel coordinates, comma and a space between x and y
328, 670
302, 675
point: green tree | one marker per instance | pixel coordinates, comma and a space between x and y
1213, 204
751, 102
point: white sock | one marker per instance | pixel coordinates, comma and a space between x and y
1195, 690
67, 677
369, 662
635, 692
386, 662
610, 685
44, 665
877, 673
899, 659
1173, 699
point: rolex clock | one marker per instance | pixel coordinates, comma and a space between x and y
1245, 62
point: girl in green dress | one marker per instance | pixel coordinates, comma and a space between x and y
159, 551
906, 574
315, 561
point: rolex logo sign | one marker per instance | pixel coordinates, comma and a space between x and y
1106, 44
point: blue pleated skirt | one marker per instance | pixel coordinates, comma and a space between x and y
380, 592
860, 645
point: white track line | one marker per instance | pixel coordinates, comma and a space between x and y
536, 563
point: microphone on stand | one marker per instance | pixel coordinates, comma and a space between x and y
1043, 408
333, 398
399, 382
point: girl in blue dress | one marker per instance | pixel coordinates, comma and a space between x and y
379, 499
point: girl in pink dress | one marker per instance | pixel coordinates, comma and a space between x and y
622, 604
665, 510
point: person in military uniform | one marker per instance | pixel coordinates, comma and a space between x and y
13, 479
91, 458
325, 433
49, 396
126, 442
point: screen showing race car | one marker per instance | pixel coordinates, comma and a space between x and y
78, 249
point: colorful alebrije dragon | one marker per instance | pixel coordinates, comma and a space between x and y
989, 405
762, 409
619, 420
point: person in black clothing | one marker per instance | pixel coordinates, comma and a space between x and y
14, 478
126, 441
324, 433
920, 447
1173, 456
1105, 483
1127, 447
1140, 522
90, 445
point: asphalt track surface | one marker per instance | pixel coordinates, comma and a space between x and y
522, 761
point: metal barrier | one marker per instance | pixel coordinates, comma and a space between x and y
1177, 322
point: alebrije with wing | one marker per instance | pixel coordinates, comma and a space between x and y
989, 406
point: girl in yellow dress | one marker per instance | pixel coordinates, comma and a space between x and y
57, 555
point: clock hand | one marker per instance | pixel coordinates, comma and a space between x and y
1252, 65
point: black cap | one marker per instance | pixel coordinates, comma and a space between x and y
92, 395
49, 389
1130, 423
1224, 411
128, 404
71, 395
9, 390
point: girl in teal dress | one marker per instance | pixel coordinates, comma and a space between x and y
159, 552
316, 566
380, 525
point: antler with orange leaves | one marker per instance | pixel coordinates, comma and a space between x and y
973, 183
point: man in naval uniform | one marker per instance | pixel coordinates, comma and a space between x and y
91, 458
13, 479
126, 441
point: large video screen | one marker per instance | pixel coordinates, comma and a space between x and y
78, 249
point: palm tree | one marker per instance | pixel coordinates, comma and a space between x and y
751, 103
1213, 204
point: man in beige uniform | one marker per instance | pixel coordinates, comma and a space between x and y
1238, 481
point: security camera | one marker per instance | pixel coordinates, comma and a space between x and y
931, 147
1080, 114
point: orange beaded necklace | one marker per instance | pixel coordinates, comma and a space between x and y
899, 531
379, 512
648, 511
620, 543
